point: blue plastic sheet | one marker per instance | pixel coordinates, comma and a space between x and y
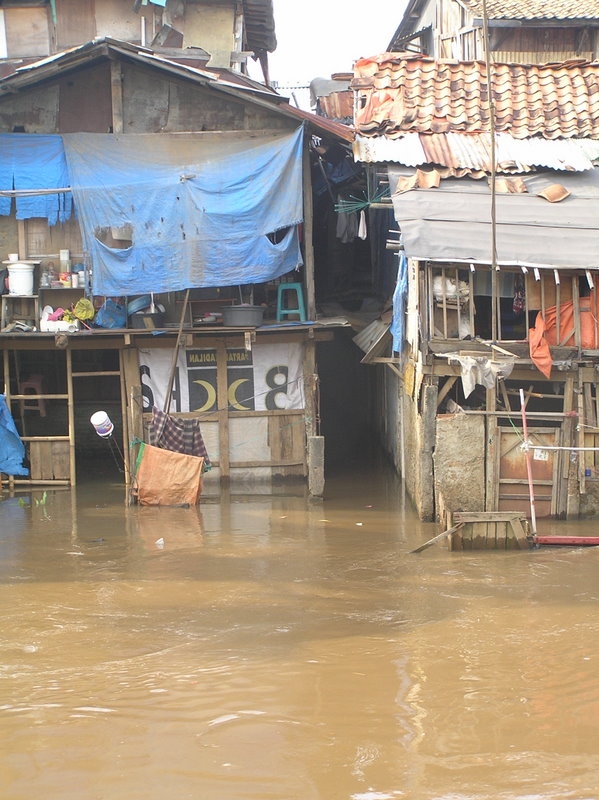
34, 161
12, 449
202, 210
398, 325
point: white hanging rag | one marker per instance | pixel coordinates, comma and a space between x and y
362, 232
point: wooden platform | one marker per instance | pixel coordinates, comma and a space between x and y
493, 530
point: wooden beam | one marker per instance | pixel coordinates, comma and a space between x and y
446, 388
71, 418
486, 516
308, 234
438, 538
116, 89
222, 403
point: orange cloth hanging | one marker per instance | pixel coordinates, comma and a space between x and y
565, 337
539, 347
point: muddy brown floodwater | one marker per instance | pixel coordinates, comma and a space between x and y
269, 647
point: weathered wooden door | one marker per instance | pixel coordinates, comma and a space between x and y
513, 488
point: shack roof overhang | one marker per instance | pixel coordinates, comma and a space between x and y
229, 84
453, 222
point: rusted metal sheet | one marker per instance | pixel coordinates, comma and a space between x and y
338, 105
472, 152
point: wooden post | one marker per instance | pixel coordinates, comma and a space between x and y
222, 403
316, 465
116, 88
308, 234
492, 456
429, 430
576, 300
22, 243
580, 438
71, 417
315, 451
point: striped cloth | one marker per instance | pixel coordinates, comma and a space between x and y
177, 434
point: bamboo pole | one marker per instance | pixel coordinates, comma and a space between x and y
533, 519
171, 380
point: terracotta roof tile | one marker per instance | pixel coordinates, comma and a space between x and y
399, 94
535, 9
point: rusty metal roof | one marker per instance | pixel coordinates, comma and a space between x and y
535, 9
460, 154
403, 93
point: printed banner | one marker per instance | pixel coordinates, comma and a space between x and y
266, 378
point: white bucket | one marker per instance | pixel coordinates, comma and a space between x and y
20, 279
101, 422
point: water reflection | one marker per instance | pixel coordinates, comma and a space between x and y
272, 646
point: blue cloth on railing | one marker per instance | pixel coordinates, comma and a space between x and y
12, 449
34, 161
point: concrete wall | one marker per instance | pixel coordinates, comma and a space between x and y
459, 462
118, 19
211, 28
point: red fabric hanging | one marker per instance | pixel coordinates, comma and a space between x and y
539, 347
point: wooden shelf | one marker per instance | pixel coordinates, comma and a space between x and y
19, 307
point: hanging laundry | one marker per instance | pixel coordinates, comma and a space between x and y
519, 303
398, 323
540, 352
347, 224
362, 229
177, 434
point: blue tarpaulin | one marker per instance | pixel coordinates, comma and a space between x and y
199, 210
30, 161
12, 449
398, 325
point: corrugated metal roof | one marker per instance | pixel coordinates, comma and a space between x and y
400, 94
472, 152
338, 106
535, 9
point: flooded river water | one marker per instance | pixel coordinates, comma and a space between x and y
269, 647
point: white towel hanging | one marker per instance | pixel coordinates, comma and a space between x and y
362, 231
